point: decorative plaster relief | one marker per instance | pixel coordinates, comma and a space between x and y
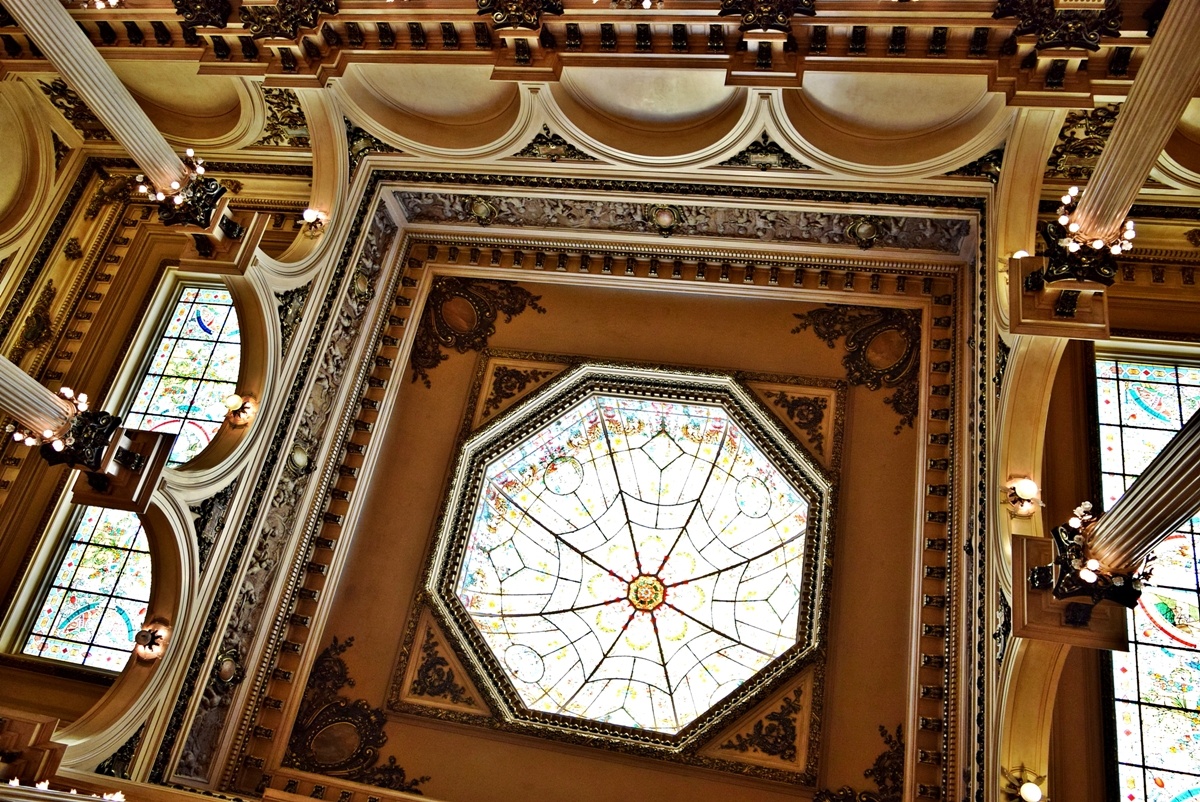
1056, 28
210, 517
461, 314
290, 308
553, 147
61, 151
75, 110
887, 773
285, 19
341, 737
249, 603
37, 328
1080, 142
806, 412
764, 154
117, 764
883, 349
507, 383
204, 13
987, 166
362, 143
774, 734
286, 125
772, 225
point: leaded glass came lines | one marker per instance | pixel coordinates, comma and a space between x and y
1157, 682
194, 367
635, 561
97, 599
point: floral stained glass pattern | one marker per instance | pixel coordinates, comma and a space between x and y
1157, 682
634, 561
98, 596
194, 367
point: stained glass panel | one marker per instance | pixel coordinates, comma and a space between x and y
635, 561
1157, 683
193, 368
97, 599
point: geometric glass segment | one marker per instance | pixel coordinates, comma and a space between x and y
633, 560
1156, 683
97, 598
193, 368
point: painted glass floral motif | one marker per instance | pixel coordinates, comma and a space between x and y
194, 367
1157, 682
97, 599
634, 561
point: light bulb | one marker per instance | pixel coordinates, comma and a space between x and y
1126, 245
1073, 247
142, 188
1129, 233
1087, 575
645, 3
190, 152
1031, 792
1097, 244
57, 445
67, 392
199, 170
1116, 249
310, 215
1063, 219
18, 437
82, 406
232, 401
1073, 191
1074, 227
48, 434
159, 196
178, 200
29, 441
1021, 254
1129, 224
1092, 565
1026, 489
1066, 199
83, 397
1074, 523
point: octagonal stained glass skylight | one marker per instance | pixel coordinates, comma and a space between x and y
631, 548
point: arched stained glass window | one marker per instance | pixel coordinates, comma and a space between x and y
97, 598
194, 367
1156, 683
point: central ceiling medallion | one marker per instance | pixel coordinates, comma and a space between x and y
632, 551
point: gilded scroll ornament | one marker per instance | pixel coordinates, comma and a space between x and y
882, 349
285, 19
887, 772
435, 678
507, 382
807, 412
525, 14
773, 735
204, 13
461, 314
767, 15
1056, 28
341, 737
38, 326
286, 125
1081, 141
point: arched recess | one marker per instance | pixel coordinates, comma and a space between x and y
206, 112
331, 175
27, 173
1027, 690
419, 108
871, 125
1030, 141
661, 118
139, 689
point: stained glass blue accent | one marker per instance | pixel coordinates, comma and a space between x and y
1156, 683
97, 599
194, 367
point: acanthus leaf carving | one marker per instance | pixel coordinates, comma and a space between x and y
525, 14
807, 412
286, 125
507, 382
887, 772
37, 328
75, 110
434, 676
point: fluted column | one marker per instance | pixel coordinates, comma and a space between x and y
25, 399
1165, 83
1165, 495
82, 67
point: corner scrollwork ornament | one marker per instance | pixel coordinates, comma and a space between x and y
507, 382
767, 15
340, 737
773, 735
461, 314
1056, 28
882, 349
522, 14
764, 153
806, 412
1086, 264
434, 677
204, 13
887, 772
285, 19
483, 210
